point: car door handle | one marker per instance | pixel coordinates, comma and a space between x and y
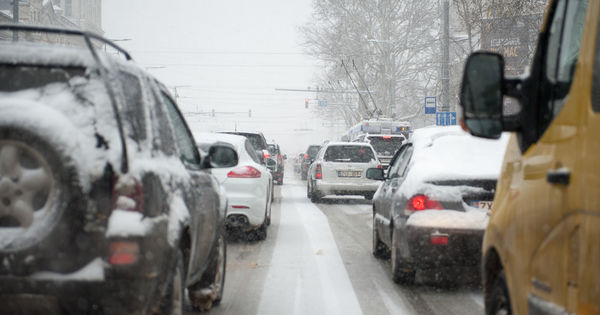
560, 176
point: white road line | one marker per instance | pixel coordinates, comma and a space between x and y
389, 302
306, 259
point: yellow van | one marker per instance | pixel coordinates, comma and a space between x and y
541, 250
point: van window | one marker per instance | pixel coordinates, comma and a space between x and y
564, 43
596, 76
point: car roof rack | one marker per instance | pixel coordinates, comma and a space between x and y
88, 36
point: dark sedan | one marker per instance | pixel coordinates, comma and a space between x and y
432, 208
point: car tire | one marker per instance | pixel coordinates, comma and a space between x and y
268, 213
308, 190
209, 291
369, 196
380, 250
315, 197
172, 301
401, 274
261, 232
499, 301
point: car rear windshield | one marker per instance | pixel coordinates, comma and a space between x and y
21, 77
349, 153
313, 150
386, 145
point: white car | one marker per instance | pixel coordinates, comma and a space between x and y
248, 184
340, 169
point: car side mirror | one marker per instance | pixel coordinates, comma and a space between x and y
220, 156
375, 174
271, 164
481, 96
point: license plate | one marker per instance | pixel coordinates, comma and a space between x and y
349, 173
485, 205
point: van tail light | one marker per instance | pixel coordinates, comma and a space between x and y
245, 171
421, 202
319, 172
127, 194
123, 252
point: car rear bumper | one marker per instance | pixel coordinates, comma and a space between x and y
427, 248
337, 188
245, 199
27, 295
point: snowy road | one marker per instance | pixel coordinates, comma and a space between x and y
317, 260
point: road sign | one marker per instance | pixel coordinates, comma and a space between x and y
445, 118
430, 104
323, 103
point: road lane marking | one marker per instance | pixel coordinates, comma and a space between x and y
306, 259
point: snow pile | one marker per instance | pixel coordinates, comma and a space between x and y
93, 271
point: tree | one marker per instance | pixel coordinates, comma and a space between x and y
387, 47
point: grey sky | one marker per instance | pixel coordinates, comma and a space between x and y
226, 55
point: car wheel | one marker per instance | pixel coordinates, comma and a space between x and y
268, 211
369, 196
172, 302
400, 273
315, 196
379, 248
499, 298
261, 232
303, 176
209, 291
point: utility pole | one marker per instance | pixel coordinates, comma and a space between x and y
15, 18
445, 56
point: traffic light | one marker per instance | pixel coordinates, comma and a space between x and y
306, 102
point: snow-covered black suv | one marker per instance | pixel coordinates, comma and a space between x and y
104, 203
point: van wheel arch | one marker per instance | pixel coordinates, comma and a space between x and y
491, 269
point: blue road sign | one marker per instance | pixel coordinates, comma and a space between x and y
323, 103
430, 104
445, 118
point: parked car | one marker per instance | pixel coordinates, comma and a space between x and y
432, 208
275, 151
309, 157
541, 250
340, 168
106, 207
248, 184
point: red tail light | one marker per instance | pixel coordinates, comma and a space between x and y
379, 166
244, 172
127, 194
319, 172
422, 202
387, 137
123, 252
306, 156
438, 239
266, 154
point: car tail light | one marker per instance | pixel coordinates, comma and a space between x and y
244, 172
240, 207
306, 156
379, 166
123, 252
422, 202
387, 137
438, 239
319, 172
127, 194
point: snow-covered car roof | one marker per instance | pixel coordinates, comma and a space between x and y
45, 54
342, 143
449, 153
211, 138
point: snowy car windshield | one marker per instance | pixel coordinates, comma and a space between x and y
20, 77
350, 153
386, 145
